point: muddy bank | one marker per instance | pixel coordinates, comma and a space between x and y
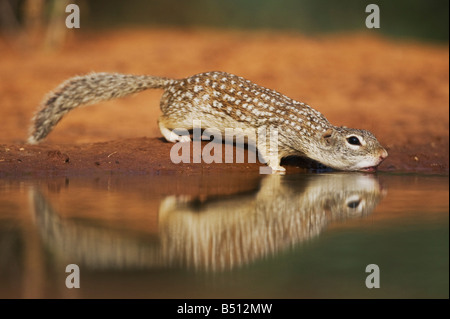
152, 156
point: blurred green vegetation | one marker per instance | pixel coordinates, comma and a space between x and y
416, 19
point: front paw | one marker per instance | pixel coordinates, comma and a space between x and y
272, 170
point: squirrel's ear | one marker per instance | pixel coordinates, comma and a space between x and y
327, 135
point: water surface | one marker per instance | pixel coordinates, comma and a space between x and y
225, 236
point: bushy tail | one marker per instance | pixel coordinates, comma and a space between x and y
84, 90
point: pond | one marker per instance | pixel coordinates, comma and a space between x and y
226, 236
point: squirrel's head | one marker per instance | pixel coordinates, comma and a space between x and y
349, 149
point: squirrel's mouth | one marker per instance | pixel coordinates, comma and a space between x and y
369, 169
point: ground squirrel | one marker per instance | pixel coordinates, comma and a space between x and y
222, 100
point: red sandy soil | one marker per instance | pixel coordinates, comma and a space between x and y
397, 90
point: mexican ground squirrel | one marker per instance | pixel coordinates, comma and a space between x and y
222, 100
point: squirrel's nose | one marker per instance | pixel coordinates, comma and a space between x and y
383, 154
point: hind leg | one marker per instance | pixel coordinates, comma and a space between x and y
166, 126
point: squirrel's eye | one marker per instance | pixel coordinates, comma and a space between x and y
353, 204
353, 140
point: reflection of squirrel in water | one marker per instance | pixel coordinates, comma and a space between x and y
221, 100
215, 233
221, 233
